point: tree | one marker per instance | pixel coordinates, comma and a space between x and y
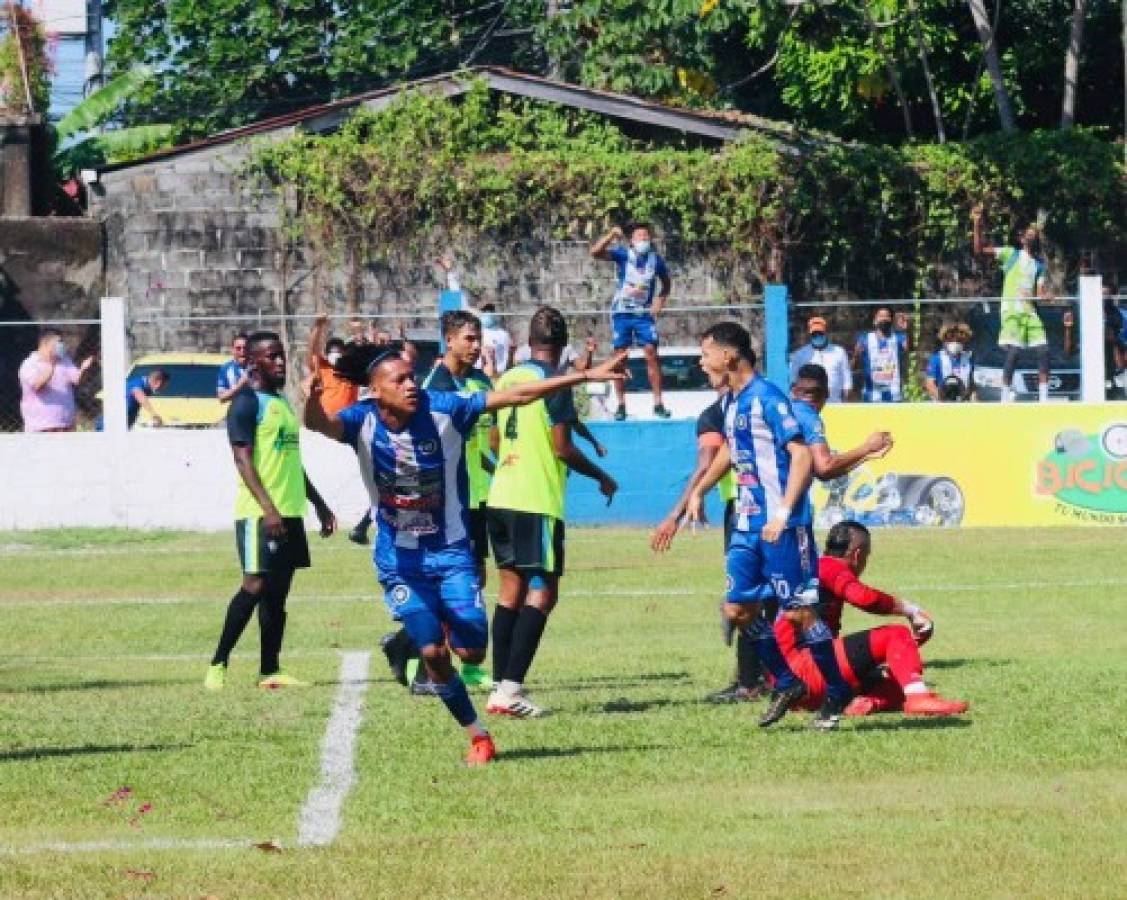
993, 65
1072, 63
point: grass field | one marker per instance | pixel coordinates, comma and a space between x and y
634, 788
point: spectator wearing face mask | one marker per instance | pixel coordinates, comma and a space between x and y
880, 356
950, 371
831, 357
336, 392
495, 340
48, 378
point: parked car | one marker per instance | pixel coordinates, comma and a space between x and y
685, 389
189, 400
1064, 371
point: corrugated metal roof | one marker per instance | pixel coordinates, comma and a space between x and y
720, 125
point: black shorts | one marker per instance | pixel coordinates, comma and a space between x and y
530, 542
729, 522
860, 656
479, 533
260, 555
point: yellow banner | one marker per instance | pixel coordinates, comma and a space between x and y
981, 464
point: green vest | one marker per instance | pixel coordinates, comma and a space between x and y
277, 459
528, 477
726, 486
477, 443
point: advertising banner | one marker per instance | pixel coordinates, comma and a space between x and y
981, 464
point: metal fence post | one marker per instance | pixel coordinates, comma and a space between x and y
776, 336
113, 365
1091, 339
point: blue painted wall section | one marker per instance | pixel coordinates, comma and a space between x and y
777, 335
447, 302
651, 461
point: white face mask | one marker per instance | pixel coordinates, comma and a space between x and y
954, 348
333, 358
641, 247
60, 348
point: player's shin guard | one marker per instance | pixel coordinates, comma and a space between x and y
894, 645
504, 621
457, 699
818, 639
272, 625
749, 670
767, 649
530, 626
239, 611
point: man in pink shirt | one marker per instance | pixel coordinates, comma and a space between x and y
47, 379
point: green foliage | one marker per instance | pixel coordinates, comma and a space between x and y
516, 170
28, 31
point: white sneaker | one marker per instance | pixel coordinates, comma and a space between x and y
516, 705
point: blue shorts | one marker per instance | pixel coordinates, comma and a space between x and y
429, 589
633, 330
785, 570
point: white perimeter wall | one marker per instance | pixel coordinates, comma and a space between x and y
149, 479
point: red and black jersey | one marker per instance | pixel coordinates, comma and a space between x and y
837, 586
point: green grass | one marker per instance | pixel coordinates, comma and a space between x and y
634, 788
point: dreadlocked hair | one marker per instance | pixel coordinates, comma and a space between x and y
356, 362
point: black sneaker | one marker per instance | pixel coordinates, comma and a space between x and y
359, 535
781, 701
736, 693
661, 412
397, 651
829, 716
620, 414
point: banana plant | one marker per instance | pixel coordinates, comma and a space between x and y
81, 145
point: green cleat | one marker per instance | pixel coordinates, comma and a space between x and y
216, 677
280, 679
476, 677
411, 670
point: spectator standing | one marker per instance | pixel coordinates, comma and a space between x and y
831, 357
950, 371
336, 392
48, 378
138, 390
880, 355
495, 339
233, 373
635, 308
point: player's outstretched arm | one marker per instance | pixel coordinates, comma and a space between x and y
316, 419
828, 466
610, 369
599, 248
324, 514
981, 246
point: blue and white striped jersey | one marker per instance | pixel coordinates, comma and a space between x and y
416, 477
759, 423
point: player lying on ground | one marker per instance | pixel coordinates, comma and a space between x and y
882, 665
410, 444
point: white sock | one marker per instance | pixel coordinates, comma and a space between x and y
1043, 393
916, 687
511, 688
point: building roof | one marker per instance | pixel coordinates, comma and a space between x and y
718, 125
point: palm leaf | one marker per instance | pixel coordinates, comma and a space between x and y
103, 103
113, 146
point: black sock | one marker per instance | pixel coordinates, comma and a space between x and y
403, 640
748, 667
239, 611
504, 621
272, 627
526, 639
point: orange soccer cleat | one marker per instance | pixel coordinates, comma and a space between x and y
932, 705
865, 705
482, 751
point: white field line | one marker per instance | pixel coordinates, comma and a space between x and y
128, 846
320, 818
937, 587
201, 658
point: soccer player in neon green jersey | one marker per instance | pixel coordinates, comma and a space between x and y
1023, 280
269, 528
526, 511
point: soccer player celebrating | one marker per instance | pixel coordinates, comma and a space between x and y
771, 555
411, 447
883, 665
526, 509
461, 330
273, 491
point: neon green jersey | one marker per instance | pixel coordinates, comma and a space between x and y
529, 477
266, 422
1021, 277
477, 442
